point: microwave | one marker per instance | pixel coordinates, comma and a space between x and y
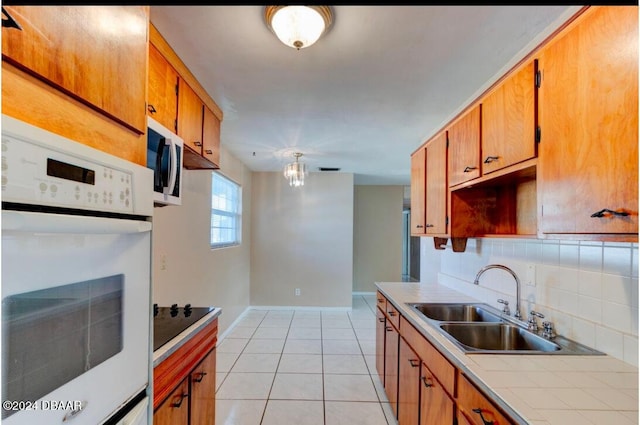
165, 151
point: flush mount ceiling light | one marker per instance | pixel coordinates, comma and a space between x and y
295, 171
298, 26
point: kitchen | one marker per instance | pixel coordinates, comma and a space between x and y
243, 276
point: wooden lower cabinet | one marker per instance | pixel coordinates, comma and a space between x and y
477, 408
381, 323
391, 366
175, 409
203, 391
409, 385
436, 407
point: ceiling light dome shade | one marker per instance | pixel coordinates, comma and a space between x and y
298, 26
295, 171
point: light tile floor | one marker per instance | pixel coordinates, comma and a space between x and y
302, 367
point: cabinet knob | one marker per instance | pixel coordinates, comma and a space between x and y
605, 212
469, 169
178, 403
484, 421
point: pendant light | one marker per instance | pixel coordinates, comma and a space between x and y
295, 171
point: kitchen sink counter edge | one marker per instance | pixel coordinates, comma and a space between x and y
535, 389
170, 347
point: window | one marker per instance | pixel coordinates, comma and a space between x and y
226, 211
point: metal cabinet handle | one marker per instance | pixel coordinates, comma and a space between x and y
8, 21
430, 225
427, 383
391, 313
151, 109
388, 328
605, 211
414, 362
490, 159
197, 143
469, 169
381, 319
484, 421
208, 151
380, 300
178, 403
419, 226
202, 374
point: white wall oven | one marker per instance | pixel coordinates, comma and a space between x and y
76, 281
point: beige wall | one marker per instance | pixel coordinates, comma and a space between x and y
302, 238
377, 245
589, 290
194, 273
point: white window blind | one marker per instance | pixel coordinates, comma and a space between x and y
226, 211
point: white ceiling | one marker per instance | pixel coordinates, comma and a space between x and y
380, 82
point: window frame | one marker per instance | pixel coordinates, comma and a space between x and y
237, 215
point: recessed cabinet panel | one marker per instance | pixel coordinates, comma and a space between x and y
175, 409
190, 117
163, 97
436, 186
418, 182
508, 121
409, 388
211, 136
87, 53
464, 147
588, 154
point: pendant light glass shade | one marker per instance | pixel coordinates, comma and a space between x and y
298, 26
295, 171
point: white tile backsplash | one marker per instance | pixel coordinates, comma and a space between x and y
588, 289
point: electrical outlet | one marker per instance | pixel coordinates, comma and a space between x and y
531, 275
297, 292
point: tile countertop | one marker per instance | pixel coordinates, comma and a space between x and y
535, 389
170, 347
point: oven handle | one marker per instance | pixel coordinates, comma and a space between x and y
26, 221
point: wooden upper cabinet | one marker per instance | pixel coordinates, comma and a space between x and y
588, 154
436, 185
189, 117
162, 102
508, 121
418, 182
464, 147
97, 55
211, 136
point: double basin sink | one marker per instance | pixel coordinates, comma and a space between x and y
479, 328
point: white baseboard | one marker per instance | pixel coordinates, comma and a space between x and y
234, 323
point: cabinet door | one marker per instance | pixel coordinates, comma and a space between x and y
391, 366
477, 408
175, 410
86, 52
418, 182
189, 117
508, 121
409, 391
203, 391
588, 154
211, 137
436, 186
163, 90
464, 147
381, 324
436, 408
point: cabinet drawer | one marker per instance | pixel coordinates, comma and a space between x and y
441, 368
475, 406
381, 301
393, 315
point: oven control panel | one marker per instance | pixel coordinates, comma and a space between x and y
45, 175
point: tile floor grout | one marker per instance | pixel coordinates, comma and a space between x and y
299, 408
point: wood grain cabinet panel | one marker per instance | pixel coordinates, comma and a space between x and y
477, 408
409, 388
391, 349
464, 147
163, 90
508, 121
211, 136
418, 194
203, 391
588, 154
436, 186
381, 324
97, 55
175, 409
436, 406
189, 117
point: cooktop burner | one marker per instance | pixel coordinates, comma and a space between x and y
169, 322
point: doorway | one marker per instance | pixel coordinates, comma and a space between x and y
410, 250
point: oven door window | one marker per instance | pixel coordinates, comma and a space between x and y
51, 336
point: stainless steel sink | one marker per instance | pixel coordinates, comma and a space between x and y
499, 337
456, 312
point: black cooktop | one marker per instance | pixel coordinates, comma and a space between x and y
169, 322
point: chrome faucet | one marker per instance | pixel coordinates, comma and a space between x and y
517, 314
